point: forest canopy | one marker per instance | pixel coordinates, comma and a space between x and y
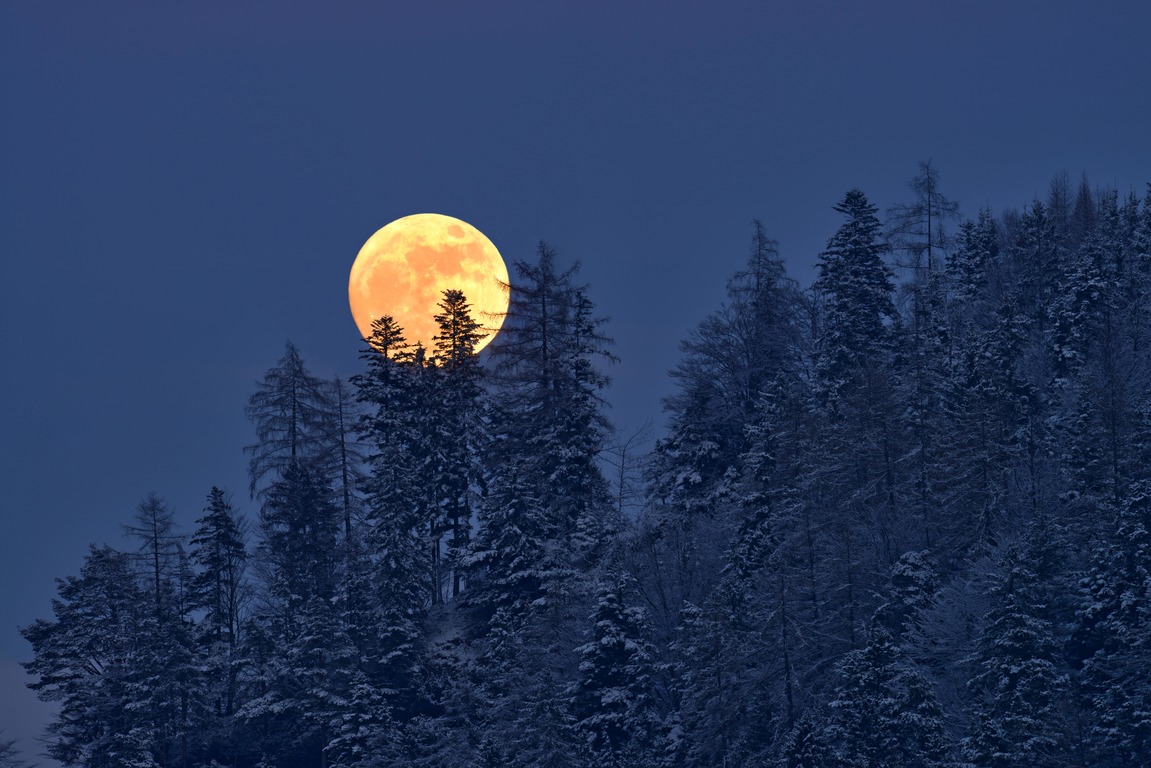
898, 517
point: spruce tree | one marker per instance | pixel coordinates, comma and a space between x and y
547, 389
457, 434
1115, 636
884, 710
396, 570
220, 590
543, 518
300, 651
613, 698
85, 660
857, 287
1018, 686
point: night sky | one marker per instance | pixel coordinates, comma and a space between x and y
183, 189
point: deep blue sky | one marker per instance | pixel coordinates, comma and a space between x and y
183, 189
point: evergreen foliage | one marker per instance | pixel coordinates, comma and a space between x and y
887, 524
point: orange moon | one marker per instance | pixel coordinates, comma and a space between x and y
404, 268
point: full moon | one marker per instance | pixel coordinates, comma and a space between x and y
404, 268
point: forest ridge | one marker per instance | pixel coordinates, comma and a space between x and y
900, 517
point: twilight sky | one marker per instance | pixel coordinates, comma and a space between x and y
182, 189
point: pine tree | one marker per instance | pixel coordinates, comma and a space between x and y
884, 710
718, 677
857, 287
515, 556
851, 478
85, 660
543, 518
526, 680
158, 556
914, 586
366, 735
805, 745
220, 589
1017, 688
299, 523
218, 549
612, 699
547, 390
1115, 634
729, 360
1036, 260
302, 689
395, 572
970, 264
1083, 215
301, 656
457, 435
993, 404
918, 230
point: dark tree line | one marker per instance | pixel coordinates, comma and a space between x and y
898, 518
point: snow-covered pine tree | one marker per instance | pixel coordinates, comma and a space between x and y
711, 678
850, 481
728, 360
1016, 691
302, 655
546, 394
884, 712
541, 522
365, 735
85, 662
299, 523
1115, 637
396, 574
1035, 260
751, 344
969, 265
857, 288
219, 551
458, 439
220, 590
613, 698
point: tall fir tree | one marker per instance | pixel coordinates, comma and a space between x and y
1015, 717
220, 590
544, 513
884, 710
1114, 636
396, 569
857, 288
458, 432
613, 698
85, 660
292, 412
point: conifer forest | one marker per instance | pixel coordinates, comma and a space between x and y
899, 517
